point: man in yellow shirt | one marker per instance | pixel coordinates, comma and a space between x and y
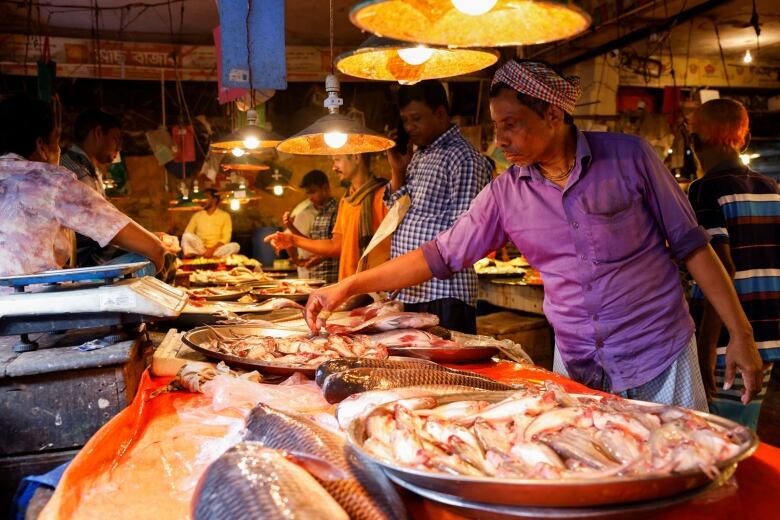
360, 212
209, 230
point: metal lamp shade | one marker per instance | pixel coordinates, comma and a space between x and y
438, 22
311, 140
378, 59
236, 139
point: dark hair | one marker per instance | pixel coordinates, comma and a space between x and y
429, 91
539, 106
22, 121
212, 193
89, 120
314, 179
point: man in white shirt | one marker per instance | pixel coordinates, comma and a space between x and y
209, 230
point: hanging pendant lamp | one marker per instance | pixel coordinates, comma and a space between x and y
247, 138
471, 23
385, 59
334, 133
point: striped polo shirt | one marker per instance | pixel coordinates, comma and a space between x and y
740, 207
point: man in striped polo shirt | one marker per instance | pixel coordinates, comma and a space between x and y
741, 210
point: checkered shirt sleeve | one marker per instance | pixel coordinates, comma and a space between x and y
441, 180
322, 229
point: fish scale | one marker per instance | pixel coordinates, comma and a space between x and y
366, 494
250, 481
339, 386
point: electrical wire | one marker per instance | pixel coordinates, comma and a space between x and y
720, 48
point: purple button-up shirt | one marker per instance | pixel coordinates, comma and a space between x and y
604, 246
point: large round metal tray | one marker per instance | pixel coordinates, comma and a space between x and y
556, 493
484, 511
197, 337
446, 355
259, 296
235, 294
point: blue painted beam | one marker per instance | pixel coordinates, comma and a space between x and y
266, 41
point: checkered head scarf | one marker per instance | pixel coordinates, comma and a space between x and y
540, 81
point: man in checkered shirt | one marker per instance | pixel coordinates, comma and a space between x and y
441, 177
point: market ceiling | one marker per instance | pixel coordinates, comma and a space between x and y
687, 26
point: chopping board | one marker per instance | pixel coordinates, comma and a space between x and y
172, 354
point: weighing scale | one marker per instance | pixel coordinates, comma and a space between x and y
84, 297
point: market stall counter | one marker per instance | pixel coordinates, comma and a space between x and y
147, 461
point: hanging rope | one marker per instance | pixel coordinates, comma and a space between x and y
332, 70
249, 54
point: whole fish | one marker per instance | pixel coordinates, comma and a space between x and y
250, 481
359, 405
338, 387
412, 338
385, 322
378, 308
340, 365
366, 493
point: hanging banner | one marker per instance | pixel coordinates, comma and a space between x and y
701, 72
78, 58
259, 56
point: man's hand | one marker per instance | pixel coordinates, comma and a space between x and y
280, 241
209, 252
742, 355
286, 220
312, 261
322, 303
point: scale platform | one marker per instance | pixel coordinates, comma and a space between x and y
85, 298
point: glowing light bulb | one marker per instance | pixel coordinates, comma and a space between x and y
235, 204
335, 139
747, 58
251, 142
415, 55
745, 158
474, 7
278, 190
237, 152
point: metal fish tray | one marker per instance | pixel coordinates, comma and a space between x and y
485, 511
231, 295
446, 354
258, 295
577, 493
197, 337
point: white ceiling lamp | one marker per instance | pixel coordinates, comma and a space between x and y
747, 58
415, 55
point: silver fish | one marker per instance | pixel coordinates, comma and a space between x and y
338, 387
358, 405
365, 494
250, 481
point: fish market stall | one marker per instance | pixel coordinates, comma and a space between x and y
157, 457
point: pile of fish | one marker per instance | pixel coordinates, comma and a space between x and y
290, 467
342, 378
284, 288
546, 434
234, 276
304, 350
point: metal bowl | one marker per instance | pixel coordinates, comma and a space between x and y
233, 295
556, 493
197, 337
258, 295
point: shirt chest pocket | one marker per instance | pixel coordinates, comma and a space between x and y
615, 227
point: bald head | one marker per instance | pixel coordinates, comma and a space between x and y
721, 123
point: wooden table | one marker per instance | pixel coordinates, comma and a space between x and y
502, 293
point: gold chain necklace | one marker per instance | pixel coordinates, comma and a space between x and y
559, 177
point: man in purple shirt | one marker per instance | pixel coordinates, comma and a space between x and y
602, 219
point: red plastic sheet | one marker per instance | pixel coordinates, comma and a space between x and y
118, 474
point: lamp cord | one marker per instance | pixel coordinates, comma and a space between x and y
249, 54
332, 71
